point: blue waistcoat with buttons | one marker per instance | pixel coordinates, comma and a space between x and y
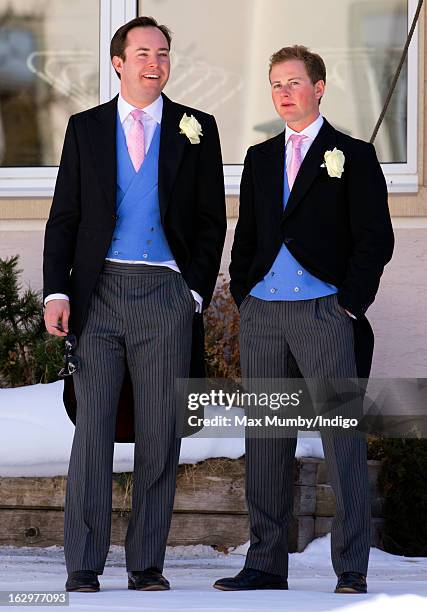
138, 234
287, 280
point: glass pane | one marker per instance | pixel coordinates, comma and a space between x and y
221, 49
49, 69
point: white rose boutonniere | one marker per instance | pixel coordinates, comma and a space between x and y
191, 128
334, 162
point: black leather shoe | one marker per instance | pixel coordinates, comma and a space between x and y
84, 581
351, 582
250, 579
150, 579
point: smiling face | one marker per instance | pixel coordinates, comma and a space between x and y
295, 98
145, 69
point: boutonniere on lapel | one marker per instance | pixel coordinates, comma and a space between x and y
334, 162
191, 128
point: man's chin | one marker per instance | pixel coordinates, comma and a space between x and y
151, 92
288, 117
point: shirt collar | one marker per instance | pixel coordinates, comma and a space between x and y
155, 109
310, 131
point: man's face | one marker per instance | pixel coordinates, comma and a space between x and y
295, 97
145, 70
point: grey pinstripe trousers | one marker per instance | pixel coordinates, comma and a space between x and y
141, 314
319, 334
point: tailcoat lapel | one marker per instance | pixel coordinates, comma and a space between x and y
172, 145
102, 134
311, 166
269, 170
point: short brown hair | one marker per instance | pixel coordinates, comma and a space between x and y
118, 42
314, 64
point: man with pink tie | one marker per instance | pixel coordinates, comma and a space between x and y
132, 251
313, 236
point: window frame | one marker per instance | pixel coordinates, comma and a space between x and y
39, 182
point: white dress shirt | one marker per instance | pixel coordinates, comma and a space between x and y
151, 118
310, 132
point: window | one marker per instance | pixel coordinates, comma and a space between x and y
220, 54
54, 62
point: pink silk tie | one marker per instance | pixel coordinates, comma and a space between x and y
296, 161
136, 140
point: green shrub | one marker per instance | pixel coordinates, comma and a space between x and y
403, 482
28, 355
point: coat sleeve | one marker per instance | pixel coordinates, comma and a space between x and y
371, 229
64, 217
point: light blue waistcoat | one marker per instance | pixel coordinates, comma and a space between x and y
287, 280
138, 234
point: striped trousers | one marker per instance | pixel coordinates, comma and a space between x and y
319, 335
141, 315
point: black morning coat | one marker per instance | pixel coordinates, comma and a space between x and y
339, 229
83, 217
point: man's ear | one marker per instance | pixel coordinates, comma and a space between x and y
319, 89
117, 63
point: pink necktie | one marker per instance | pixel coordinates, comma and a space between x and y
135, 139
296, 161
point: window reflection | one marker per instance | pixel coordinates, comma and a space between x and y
49, 69
220, 54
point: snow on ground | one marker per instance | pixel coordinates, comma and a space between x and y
36, 436
395, 583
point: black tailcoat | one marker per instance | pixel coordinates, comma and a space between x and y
339, 229
83, 217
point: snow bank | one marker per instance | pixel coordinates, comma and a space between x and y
36, 436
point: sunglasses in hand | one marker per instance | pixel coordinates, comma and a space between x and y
71, 362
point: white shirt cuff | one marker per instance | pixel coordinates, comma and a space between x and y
56, 296
198, 299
